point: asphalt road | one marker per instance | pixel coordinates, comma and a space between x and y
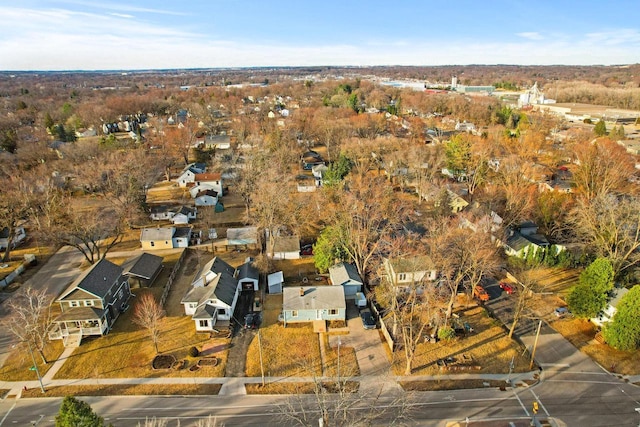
54, 276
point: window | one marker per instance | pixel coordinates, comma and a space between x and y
222, 311
88, 303
120, 294
193, 304
333, 312
74, 303
402, 276
152, 244
204, 323
294, 313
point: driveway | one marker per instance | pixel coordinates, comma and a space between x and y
374, 364
237, 356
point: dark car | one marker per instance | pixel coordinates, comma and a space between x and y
506, 287
368, 322
306, 250
251, 321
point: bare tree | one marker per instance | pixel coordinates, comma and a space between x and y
14, 207
149, 314
92, 232
610, 226
336, 406
527, 286
603, 167
30, 318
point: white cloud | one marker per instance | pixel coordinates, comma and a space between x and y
121, 15
61, 39
531, 35
122, 7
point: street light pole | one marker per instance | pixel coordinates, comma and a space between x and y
339, 385
35, 366
535, 344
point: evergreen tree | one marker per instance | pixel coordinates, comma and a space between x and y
76, 413
590, 296
623, 332
600, 129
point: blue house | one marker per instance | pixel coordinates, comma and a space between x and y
313, 303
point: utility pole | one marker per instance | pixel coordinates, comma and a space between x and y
339, 385
535, 344
35, 367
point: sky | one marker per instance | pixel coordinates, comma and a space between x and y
144, 34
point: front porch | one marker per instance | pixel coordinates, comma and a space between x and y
78, 322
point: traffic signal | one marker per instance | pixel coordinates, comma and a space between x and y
535, 407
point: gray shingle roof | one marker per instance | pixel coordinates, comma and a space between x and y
248, 271
98, 279
343, 273
314, 298
145, 265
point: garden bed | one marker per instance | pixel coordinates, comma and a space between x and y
163, 361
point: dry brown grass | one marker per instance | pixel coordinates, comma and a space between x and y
438, 385
126, 390
127, 352
300, 388
581, 333
16, 367
290, 351
295, 270
557, 280
488, 346
348, 360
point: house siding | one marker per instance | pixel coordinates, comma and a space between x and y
313, 314
151, 245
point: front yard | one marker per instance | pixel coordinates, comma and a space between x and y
485, 350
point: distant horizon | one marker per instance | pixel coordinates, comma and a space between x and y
112, 35
276, 67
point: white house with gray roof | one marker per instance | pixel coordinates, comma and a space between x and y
213, 295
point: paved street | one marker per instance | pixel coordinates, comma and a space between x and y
573, 391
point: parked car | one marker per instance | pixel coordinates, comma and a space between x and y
561, 311
368, 322
507, 287
251, 321
306, 250
480, 293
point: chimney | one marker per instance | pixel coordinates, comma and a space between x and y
301, 291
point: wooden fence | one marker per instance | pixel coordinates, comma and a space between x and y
172, 276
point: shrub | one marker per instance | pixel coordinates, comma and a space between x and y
194, 352
446, 333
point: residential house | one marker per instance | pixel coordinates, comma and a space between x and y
346, 275
184, 215
217, 142
524, 238
248, 276
200, 188
143, 269
407, 271
212, 179
456, 202
165, 237
206, 198
19, 235
313, 303
306, 184
162, 213
189, 173
92, 303
213, 295
612, 306
311, 159
275, 281
318, 172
